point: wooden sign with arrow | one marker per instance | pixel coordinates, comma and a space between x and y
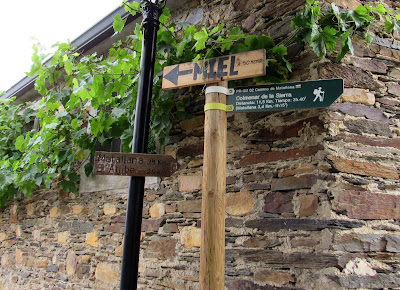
228, 67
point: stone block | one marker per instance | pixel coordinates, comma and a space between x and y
82, 269
371, 141
152, 182
187, 183
358, 96
244, 5
19, 257
355, 77
18, 231
368, 206
54, 212
261, 242
286, 131
152, 225
77, 209
62, 237
4, 260
293, 224
157, 210
193, 123
360, 110
304, 242
393, 243
119, 251
278, 202
277, 259
42, 263
192, 150
195, 163
275, 277
239, 204
92, 239
364, 168
170, 228
170, 208
189, 206
13, 219
106, 274
3, 236
394, 89
30, 209
308, 205
161, 248
190, 237
114, 229
293, 182
71, 262
370, 64
249, 22
85, 259
279, 155
110, 209
359, 126
378, 281
78, 227
347, 4
359, 243
395, 73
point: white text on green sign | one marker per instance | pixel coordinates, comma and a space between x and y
286, 96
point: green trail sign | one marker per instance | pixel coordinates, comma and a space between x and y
286, 96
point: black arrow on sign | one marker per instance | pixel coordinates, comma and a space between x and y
174, 74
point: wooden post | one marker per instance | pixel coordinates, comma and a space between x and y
212, 252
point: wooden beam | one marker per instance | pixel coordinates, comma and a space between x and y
212, 251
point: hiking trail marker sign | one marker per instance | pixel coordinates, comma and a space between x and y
285, 96
212, 70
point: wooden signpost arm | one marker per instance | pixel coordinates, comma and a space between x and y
212, 251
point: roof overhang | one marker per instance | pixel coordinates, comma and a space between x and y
99, 38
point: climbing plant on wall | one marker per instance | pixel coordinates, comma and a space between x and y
90, 99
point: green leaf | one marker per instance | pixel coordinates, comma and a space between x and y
118, 112
329, 37
201, 37
69, 186
346, 46
217, 29
389, 25
88, 169
165, 16
118, 23
20, 143
68, 66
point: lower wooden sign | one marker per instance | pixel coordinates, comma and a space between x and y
134, 164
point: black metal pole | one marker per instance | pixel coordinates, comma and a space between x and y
130, 259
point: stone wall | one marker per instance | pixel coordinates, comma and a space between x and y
313, 196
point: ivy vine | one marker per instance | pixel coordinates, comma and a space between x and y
90, 99
325, 26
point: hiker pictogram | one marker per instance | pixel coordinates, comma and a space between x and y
319, 94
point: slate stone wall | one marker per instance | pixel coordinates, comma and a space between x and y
312, 202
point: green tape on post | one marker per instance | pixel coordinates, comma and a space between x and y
218, 106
